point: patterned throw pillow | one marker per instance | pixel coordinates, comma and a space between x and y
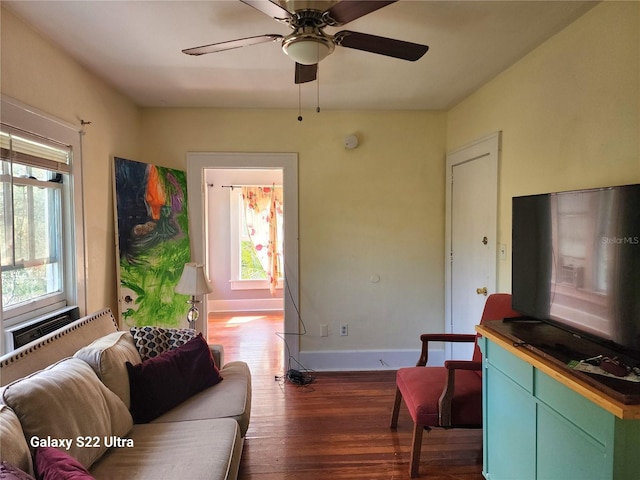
152, 341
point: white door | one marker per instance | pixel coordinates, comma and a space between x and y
472, 202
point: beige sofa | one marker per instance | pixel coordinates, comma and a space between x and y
70, 390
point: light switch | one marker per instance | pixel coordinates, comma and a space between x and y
324, 330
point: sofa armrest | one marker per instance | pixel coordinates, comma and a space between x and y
218, 354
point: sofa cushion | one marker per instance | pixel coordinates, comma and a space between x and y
152, 341
205, 449
54, 464
231, 400
160, 383
67, 401
13, 446
108, 356
11, 472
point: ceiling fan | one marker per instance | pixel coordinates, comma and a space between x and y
309, 44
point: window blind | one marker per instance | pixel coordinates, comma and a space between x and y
34, 151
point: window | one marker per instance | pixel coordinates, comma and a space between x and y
38, 221
247, 270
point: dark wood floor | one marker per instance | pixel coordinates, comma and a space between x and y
336, 428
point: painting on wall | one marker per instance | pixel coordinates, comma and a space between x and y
153, 242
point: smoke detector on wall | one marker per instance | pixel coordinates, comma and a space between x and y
350, 142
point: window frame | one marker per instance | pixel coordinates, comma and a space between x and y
56, 194
17, 118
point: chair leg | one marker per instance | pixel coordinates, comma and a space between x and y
396, 409
416, 445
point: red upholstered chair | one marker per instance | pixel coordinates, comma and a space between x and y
448, 396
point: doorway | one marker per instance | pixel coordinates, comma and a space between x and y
201, 168
471, 237
238, 262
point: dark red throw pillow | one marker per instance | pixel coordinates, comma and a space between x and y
11, 472
53, 464
160, 383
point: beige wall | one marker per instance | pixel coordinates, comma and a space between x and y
37, 73
569, 113
375, 210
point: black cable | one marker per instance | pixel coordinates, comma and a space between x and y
298, 377
301, 375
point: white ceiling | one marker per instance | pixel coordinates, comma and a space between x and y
136, 46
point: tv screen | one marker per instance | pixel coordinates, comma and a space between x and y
576, 262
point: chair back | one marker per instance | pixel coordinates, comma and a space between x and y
497, 307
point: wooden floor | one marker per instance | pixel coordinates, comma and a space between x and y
336, 428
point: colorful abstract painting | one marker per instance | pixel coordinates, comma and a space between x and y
153, 242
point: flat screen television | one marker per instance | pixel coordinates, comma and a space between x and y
576, 262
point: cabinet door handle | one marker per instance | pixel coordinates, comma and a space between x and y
482, 291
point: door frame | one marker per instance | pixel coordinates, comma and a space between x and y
488, 146
197, 163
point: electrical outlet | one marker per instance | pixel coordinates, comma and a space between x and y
344, 330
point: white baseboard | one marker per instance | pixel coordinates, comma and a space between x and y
249, 305
365, 360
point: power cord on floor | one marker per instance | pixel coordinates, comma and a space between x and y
297, 377
302, 376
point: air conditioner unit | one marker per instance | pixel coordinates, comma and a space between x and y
27, 332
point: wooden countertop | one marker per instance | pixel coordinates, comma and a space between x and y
617, 408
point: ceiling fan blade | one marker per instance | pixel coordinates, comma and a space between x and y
348, 10
306, 73
241, 42
381, 45
269, 8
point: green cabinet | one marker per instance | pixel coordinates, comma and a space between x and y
535, 427
508, 426
565, 451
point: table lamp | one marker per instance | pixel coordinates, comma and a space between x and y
193, 282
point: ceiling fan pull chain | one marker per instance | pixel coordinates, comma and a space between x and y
299, 102
318, 90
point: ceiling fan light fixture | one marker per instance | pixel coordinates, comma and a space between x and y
307, 49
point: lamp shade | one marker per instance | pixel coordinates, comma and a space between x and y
193, 280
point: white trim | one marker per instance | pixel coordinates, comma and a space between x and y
485, 146
365, 360
234, 243
197, 163
246, 305
21, 113
253, 284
